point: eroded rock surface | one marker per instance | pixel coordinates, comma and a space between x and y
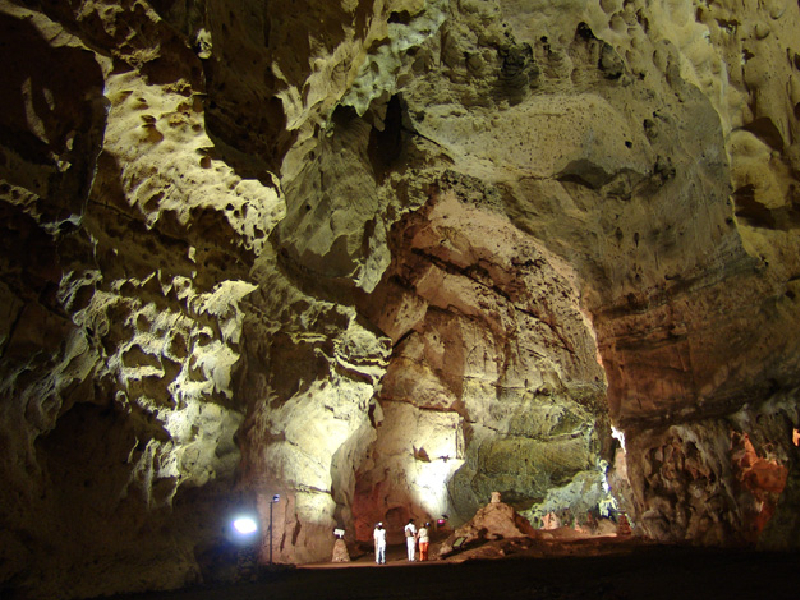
383, 259
495, 521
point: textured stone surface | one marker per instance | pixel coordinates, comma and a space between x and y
494, 352
384, 259
495, 521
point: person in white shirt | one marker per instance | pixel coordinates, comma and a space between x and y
379, 535
411, 538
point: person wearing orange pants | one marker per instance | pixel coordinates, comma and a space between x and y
422, 539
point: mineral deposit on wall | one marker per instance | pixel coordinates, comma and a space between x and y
384, 258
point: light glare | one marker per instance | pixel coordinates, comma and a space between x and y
618, 435
245, 525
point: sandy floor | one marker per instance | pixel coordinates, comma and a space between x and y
605, 570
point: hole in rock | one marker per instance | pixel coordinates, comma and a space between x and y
585, 32
386, 146
403, 17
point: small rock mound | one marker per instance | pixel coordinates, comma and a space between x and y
495, 521
340, 553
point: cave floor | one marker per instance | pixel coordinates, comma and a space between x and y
602, 570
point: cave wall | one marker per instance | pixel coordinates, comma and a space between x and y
384, 258
120, 290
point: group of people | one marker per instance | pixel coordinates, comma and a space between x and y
413, 537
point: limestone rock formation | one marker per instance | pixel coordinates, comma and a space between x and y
495, 521
340, 553
382, 259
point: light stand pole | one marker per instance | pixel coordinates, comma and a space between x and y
275, 498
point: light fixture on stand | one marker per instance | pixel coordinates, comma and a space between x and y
243, 534
275, 498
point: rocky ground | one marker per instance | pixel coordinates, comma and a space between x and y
609, 570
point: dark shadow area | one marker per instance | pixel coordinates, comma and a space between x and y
765, 130
750, 210
644, 571
386, 146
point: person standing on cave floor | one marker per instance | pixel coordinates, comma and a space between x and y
423, 541
379, 536
411, 538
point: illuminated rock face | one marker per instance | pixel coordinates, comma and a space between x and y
495, 521
384, 259
494, 379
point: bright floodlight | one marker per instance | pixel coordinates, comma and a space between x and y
245, 525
